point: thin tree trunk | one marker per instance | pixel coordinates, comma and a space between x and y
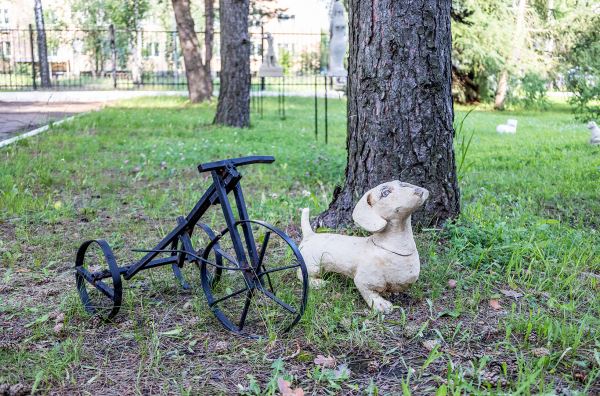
209, 35
233, 108
519, 38
192, 58
400, 108
42, 45
136, 72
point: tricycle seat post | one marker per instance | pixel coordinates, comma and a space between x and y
233, 269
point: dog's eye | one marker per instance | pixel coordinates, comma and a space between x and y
385, 192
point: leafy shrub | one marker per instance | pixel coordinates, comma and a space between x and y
535, 91
529, 91
582, 60
584, 83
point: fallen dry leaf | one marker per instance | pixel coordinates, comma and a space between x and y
286, 389
221, 346
451, 283
512, 293
327, 362
495, 304
430, 344
539, 352
58, 328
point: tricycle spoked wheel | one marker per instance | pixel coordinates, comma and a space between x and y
266, 297
186, 269
98, 279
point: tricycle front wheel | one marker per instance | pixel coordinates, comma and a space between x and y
266, 293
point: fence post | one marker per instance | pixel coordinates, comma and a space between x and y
33, 76
113, 51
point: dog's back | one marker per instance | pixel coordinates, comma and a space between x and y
330, 252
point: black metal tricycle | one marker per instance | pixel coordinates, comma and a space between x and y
252, 273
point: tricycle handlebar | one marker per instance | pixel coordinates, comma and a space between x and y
255, 159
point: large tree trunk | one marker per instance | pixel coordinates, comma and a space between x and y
400, 108
519, 38
233, 108
42, 45
192, 58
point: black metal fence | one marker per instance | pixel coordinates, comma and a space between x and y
85, 59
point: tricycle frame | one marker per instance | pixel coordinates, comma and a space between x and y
248, 260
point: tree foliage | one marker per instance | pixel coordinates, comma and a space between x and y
580, 54
561, 46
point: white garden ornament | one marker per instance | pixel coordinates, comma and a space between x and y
338, 40
270, 67
595, 139
509, 127
387, 261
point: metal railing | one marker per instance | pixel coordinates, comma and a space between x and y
123, 59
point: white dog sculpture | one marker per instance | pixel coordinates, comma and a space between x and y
509, 127
595, 139
386, 261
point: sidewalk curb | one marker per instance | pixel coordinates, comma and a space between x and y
39, 130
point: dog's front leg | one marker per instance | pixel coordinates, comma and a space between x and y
372, 297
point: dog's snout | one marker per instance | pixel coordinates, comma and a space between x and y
421, 192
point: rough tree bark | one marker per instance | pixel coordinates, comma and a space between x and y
233, 108
42, 44
400, 108
519, 38
198, 87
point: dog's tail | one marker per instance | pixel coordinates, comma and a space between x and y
305, 222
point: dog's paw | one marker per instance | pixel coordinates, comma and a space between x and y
316, 283
382, 305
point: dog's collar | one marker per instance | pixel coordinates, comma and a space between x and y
391, 251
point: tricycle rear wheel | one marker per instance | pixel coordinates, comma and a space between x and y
104, 298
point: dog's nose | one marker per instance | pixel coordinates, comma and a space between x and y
421, 192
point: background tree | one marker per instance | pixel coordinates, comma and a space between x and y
94, 17
197, 71
399, 106
233, 108
262, 11
42, 44
136, 48
480, 42
519, 34
577, 42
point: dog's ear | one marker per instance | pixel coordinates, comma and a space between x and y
365, 216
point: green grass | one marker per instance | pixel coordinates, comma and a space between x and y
529, 224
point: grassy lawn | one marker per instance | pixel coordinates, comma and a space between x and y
523, 317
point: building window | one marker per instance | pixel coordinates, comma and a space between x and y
5, 49
152, 49
4, 19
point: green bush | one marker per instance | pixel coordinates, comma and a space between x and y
535, 91
582, 63
584, 83
529, 91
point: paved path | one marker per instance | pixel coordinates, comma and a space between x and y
19, 117
24, 111
80, 96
